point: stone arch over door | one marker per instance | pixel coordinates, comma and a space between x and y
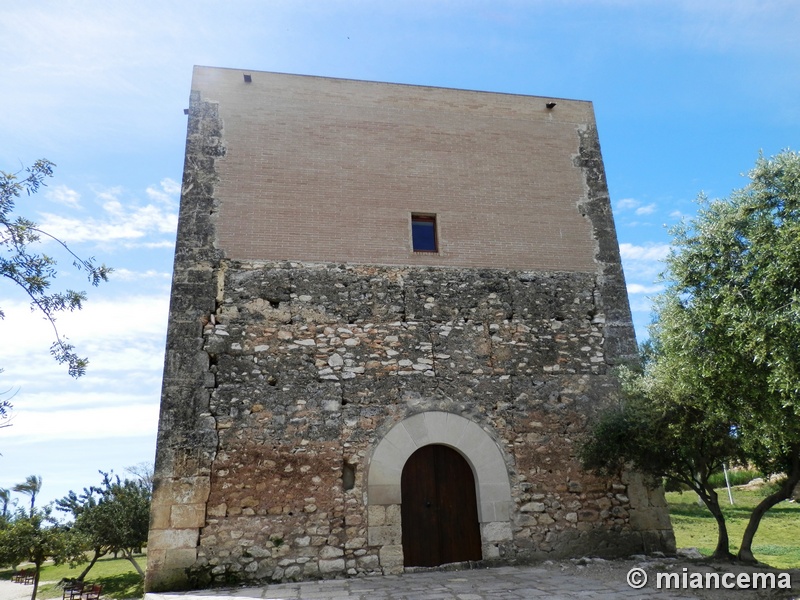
492, 486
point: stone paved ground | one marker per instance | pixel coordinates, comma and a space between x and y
597, 580
501, 583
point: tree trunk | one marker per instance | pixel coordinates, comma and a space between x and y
129, 555
97, 554
783, 493
722, 551
35, 581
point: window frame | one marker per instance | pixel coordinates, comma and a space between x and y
425, 218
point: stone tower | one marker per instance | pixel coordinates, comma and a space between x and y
393, 310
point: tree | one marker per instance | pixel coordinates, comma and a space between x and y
36, 538
727, 328
34, 273
30, 487
733, 317
83, 526
111, 517
662, 433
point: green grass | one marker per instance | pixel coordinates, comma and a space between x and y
777, 541
116, 575
735, 477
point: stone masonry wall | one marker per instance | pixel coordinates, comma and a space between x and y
312, 364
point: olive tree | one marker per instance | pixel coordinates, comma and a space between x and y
733, 318
726, 333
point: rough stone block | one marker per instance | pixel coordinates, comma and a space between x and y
499, 531
172, 538
182, 490
327, 567
184, 516
532, 507
218, 510
384, 535
391, 556
369, 562
166, 580
355, 543
328, 552
160, 516
376, 515
393, 515
180, 558
651, 518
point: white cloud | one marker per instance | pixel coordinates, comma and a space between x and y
646, 210
62, 194
638, 288
118, 225
152, 245
118, 335
641, 307
166, 195
118, 221
118, 396
77, 398
642, 265
128, 275
109, 194
627, 203
129, 420
650, 252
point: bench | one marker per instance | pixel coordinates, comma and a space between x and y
19, 576
91, 592
72, 589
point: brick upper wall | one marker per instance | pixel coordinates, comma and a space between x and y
330, 170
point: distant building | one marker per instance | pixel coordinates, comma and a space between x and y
394, 309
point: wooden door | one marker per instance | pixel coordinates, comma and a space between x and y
439, 509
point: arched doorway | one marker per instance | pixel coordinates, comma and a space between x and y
439, 509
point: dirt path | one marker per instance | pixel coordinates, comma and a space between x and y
14, 591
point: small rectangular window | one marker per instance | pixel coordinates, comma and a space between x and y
423, 233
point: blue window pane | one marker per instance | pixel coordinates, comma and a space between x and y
423, 232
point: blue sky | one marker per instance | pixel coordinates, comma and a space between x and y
686, 94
